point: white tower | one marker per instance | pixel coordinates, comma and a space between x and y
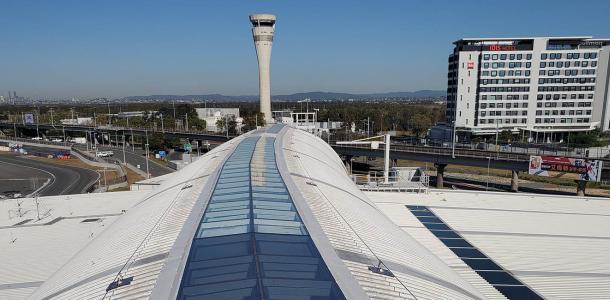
262, 31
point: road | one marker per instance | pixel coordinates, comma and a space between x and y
64, 180
137, 158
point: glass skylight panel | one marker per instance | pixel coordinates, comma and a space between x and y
251, 242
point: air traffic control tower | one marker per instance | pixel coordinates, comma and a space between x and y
263, 26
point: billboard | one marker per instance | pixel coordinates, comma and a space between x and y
565, 167
28, 118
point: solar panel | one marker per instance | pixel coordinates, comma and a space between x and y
493, 273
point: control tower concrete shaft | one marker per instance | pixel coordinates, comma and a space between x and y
263, 26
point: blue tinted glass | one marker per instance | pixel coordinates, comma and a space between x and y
251, 242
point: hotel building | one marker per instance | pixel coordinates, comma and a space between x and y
537, 85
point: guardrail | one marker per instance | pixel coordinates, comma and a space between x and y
462, 153
123, 128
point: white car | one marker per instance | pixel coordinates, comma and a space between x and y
56, 140
104, 154
37, 138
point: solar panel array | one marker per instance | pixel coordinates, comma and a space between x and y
493, 273
251, 242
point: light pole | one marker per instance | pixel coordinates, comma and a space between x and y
488, 163
147, 172
453, 141
124, 159
133, 148
162, 128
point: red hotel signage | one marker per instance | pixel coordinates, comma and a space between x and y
500, 48
470, 65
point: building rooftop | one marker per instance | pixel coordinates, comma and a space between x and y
557, 246
272, 214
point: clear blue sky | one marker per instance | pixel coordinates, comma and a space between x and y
118, 48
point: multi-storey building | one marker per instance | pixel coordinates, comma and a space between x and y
537, 85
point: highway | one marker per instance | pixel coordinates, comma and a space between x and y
137, 158
64, 180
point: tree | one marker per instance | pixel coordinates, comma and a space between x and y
506, 136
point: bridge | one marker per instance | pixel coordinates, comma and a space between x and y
120, 131
442, 156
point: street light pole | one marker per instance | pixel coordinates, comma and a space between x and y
162, 128
488, 163
453, 141
147, 172
124, 159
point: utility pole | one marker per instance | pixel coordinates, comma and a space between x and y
132, 145
497, 148
147, 171
174, 107
453, 141
124, 159
52, 123
109, 123
162, 128
186, 121
227, 125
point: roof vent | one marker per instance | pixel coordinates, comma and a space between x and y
379, 270
91, 220
119, 283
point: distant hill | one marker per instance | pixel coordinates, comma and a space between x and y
294, 97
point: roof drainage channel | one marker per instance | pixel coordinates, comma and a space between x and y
493, 273
251, 242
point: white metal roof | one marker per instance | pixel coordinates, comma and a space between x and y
557, 245
30, 253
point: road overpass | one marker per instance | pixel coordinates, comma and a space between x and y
118, 132
441, 157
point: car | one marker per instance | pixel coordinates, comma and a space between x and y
57, 140
37, 138
104, 153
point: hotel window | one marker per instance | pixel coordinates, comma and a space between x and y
543, 56
511, 57
486, 57
528, 56
543, 64
527, 72
569, 56
594, 64
586, 55
502, 56
494, 57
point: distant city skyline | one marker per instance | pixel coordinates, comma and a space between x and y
119, 48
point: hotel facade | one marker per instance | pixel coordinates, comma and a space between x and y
536, 85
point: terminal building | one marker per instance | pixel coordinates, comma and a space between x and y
273, 214
544, 85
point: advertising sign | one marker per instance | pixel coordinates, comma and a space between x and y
28, 118
565, 167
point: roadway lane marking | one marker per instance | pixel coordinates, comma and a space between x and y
46, 185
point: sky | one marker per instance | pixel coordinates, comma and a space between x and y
116, 48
